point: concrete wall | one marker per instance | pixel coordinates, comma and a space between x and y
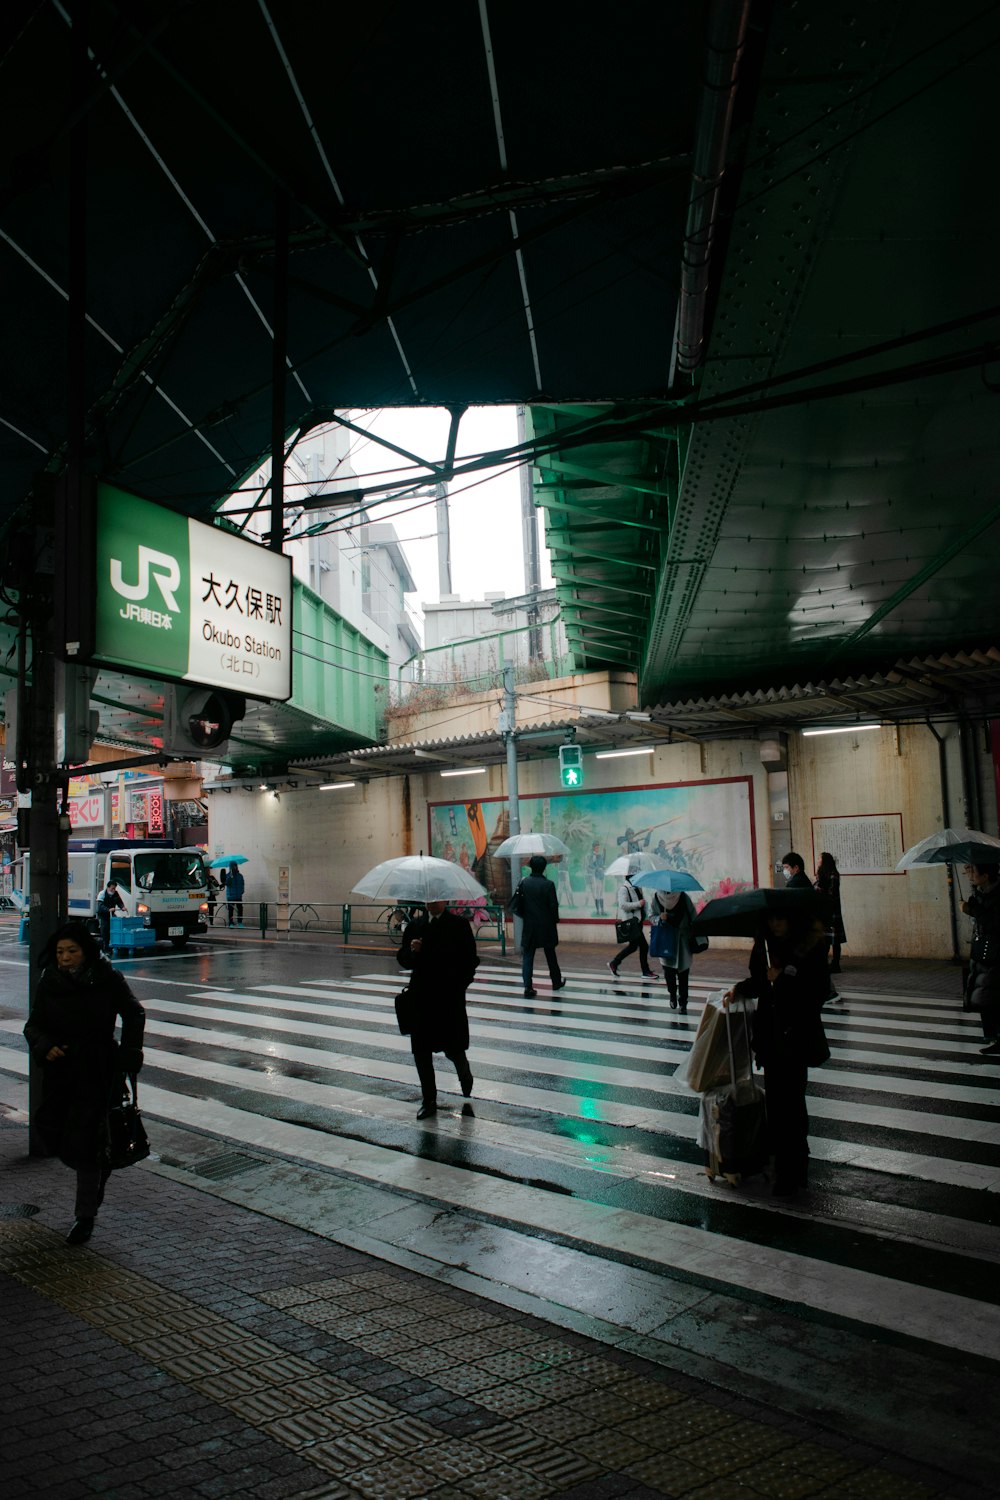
879, 772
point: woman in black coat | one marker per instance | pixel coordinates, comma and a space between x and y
982, 990
828, 884
440, 950
71, 1033
790, 981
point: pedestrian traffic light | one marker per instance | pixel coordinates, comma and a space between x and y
199, 720
571, 766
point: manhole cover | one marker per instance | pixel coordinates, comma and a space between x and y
230, 1165
17, 1210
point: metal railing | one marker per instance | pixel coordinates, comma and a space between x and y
366, 925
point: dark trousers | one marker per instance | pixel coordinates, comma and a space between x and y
990, 1017
90, 1183
104, 917
425, 1072
788, 1121
528, 965
236, 910
677, 984
643, 947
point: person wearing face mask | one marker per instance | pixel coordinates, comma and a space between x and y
793, 867
672, 914
71, 1033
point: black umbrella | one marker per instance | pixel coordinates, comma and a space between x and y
743, 915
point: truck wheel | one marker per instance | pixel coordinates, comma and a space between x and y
180, 942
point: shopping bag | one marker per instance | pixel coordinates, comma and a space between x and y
663, 940
709, 1064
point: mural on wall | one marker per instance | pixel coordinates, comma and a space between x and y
704, 827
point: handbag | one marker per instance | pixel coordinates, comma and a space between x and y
516, 904
406, 1012
697, 944
629, 930
127, 1141
983, 950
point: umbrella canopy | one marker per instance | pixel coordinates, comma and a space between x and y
527, 844
224, 860
742, 915
620, 866
667, 880
953, 846
418, 877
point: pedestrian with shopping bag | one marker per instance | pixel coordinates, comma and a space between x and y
670, 941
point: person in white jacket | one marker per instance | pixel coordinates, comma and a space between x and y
631, 906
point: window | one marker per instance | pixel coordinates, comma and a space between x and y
173, 871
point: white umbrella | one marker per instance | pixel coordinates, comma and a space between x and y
953, 846
527, 844
418, 877
624, 862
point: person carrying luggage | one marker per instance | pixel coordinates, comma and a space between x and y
790, 982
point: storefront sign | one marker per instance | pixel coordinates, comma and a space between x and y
87, 811
190, 602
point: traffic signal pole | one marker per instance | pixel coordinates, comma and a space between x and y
508, 728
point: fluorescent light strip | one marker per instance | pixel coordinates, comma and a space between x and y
613, 754
843, 729
337, 786
473, 771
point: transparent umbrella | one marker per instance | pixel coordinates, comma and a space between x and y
418, 877
527, 844
636, 862
953, 846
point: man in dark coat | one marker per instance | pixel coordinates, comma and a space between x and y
440, 950
71, 1033
793, 867
982, 991
788, 977
539, 914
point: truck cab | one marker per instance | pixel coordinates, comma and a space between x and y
167, 887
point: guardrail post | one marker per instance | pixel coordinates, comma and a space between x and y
345, 922
262, 917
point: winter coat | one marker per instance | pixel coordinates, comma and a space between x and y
798, 882
441, 972
78, 1013
235, 886
787, 1025
830, 887
982, 990
680, 918
539, 913
110, 901
630, 902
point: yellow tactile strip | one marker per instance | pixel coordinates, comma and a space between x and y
566, 1417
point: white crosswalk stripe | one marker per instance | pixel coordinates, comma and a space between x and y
582, 1131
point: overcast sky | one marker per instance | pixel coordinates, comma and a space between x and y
485, 508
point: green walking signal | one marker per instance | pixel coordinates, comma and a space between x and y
571, 766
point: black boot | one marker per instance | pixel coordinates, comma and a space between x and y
81, 1232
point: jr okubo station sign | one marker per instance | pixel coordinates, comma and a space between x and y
179, 599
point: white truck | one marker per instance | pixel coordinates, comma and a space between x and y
166, 886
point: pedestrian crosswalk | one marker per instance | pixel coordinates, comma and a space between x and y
581, 1141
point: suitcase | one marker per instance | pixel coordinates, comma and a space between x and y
733, 1126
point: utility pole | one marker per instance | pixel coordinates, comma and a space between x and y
508, 728
529, 544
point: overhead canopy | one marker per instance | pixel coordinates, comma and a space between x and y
749, 247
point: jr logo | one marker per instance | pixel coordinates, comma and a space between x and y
164, 569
